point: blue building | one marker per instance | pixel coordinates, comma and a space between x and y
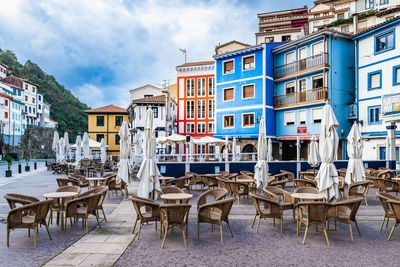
308, 72
378, 89
244, 94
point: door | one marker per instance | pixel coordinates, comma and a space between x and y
302, 58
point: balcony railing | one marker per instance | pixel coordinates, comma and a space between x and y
313, 95
390, 104
301, 65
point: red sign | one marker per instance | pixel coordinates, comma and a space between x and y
301, 130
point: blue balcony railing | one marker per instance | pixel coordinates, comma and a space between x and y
301, 65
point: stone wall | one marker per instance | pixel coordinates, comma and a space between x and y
36, 143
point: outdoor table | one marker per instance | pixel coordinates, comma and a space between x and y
165, 179
245, 181
308, 196
95, 180
62, 196
177, 196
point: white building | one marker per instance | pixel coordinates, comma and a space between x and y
39, 110
3, 70
147, 90
378, 89
30, 103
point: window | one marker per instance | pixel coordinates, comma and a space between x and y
302, 117
6, 115
290, 58
384, 2
340, 16
269, 39
30, 109
201, 127
155, 112
26, 98
118, 120
33, 100
147, 96
317, 48
26, 109
211, 127
19, 92
369, 4
317, 82
211, 86
6, 102
396, 75
26, 87
40, 97
373, 115
248, 120
344, 28
99, 137
316, 115
211, 148
228, 67
201, 149
303, 53
39, 107
34, 110
248, 91
248, 63
190, 127
325, 14
302, 85
289, 88
211, 108
384, 42
190, 109
117, 139
229, 121
288, 118
33, 89
201, 86
100, 121
228, 94
190, 87
201, 109
375, 80
285, 38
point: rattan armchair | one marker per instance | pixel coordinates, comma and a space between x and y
183, 182
224, 183
67, 182
83, 183
395, 206
384, 199
284, 198
311, 190
215, 213
113, 186
387, 185
267, 208
238, 189
56, 204
358, 189
248, 173
344, 211
304, 183
28, 216
174, 215
14, 199
312, 213
214, 194
103, 191
151, 212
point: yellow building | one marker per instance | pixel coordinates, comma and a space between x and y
105, 122
173, 90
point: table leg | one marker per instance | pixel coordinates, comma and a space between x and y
62, 214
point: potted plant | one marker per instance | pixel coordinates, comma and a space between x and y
9, 160
27, 167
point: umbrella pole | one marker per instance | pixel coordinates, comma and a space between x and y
314, 172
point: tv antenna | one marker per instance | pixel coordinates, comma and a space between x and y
183, 50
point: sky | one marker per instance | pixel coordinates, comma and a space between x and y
101, 49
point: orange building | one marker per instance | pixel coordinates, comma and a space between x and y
196, 100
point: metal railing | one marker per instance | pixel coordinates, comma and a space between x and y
318, 94
300, 65
390, 104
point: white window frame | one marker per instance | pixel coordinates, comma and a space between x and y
252, 55
294, 118
254, 119
294, 83
286, 54
223, 121
298, 117
223, 64
202, 82
192, 89
212, 114
302, 48
186, 129
317, 43
213, 86
223, 94
298, 85
213, 127
312, 117
254, 91
315, 77
187, 113
203, 124
202, 107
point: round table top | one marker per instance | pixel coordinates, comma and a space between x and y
60, 194
309, 196
396, 178
176, 196
95, 178
245, 180
166, 178
211, 174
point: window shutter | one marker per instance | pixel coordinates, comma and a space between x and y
248, 91
248, 60
289, 117
302, 116
317, 114
318, 48
375, 80
228, 94
228, 66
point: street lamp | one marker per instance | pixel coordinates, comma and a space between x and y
258, 117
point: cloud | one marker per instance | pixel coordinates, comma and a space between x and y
101, 49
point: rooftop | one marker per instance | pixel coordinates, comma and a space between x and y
300, 9
107, 109
13, 81
395, 20
198, 63
150, 99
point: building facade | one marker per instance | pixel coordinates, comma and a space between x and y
147, 90
105, 122
282, 26
307, 73
30, 94
244, 94
378, 89
196, 101
39, 110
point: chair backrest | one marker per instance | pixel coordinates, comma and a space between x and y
304, 183
223, 173
139, 202
248, 173
13, 199
269, 203
315, 211
311, 190
42, 209
395, 206
65, 182
384, 199
223, 183
353, 189
175, 213
223, 207
278, 194
215, 194
69, 188
171, 190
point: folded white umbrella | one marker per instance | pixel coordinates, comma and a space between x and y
66, 144
61, 149
313, 154
78, 151
85, 146
226, 151
327, 177
148, 173
261, 172
269, 154
54, 146
103, 154
124, 151
234, 150
355, 169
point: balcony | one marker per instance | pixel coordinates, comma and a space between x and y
390, 108
305, 97
302, 66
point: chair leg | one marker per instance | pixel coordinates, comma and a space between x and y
29, 232
97, 218
258, 223
184, 236
165, 236
351, 232
104, 214
387, 222
34, 236
220, 230
383, 222
274, 222
254, 220
140, 227
366, 203
198, 229
86, 222
282, 224
48, 232
230, 229
305, 235
8, 236
161, 227
298, 227
326, 235
358, 229
391, 232
134, 227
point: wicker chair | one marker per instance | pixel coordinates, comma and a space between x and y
238, 189
387, 185
288, 175
172, 190
215, 213
344, 211
311, 190
82, 207
284, 198
304, 183
223, 173
395, 206
385, 174
151, 213
174, 215
215, 194
384, 199
83, 183
248, 173
56, 204
354, 190
67, 182
14, 199
312, 213
267, 208
103, 191
183, 182
231, 176
114, 187
28, 216
224, 183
